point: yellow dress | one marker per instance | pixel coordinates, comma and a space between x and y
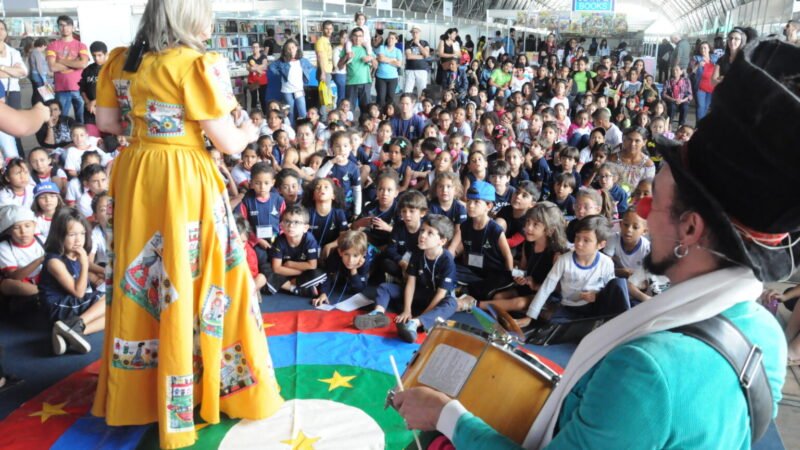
183, 324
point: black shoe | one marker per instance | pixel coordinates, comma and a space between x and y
370, 321
10, 382
309, 292
74, 335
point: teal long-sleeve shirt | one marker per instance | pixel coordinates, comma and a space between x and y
660, 391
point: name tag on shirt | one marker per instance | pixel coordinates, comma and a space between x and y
474, 260
264, 232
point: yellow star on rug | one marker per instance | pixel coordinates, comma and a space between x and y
49, 410
301, 442
337, 381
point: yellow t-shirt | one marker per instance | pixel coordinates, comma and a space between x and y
325, 51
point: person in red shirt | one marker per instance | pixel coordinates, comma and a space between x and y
67, 58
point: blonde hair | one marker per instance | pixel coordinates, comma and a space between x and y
170, 23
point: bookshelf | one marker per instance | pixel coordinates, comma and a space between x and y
233, 38
35, 27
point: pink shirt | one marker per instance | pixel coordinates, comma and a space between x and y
69, 79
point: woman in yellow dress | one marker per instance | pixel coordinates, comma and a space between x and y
183, 321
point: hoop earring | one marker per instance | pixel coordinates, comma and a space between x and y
680, 253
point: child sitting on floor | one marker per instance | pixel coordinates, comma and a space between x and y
628, 250
428, 291
64, 287
411, 207
585, 275
253, 262
21, 253
294, 256
347, 269
545, 241
327, 219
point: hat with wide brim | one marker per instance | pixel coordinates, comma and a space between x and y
741, 163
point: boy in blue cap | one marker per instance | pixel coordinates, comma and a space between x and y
486, 261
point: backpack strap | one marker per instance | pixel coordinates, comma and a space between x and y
746, 359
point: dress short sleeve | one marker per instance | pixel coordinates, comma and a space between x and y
106, 92
207, 89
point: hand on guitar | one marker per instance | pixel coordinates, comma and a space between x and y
420, 407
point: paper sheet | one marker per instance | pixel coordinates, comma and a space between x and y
351, 304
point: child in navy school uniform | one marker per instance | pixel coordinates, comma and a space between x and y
395, 155
419, 164
324, 199
428, 292
486, 261
516, 171
512, 217
347, 269
378, 218
64, 286
294, 256
476, 169
262, 208
242, 172
539, 171
343, 170
411, 207
563, 187
500, 177
568, 160
444, 199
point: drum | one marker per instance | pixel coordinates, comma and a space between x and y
487, 373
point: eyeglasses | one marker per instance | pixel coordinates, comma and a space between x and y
293, 223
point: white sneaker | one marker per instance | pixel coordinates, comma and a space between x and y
73, 337
59, 344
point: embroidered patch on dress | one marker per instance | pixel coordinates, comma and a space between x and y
180, 403
235, 374
145, 280
222, 79
224, 225
193, 236
125, 102
135, 355
164, 119
213, 314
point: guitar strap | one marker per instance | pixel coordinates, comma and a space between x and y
746, 359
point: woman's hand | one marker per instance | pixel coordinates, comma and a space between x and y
420, 407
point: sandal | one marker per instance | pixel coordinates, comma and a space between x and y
466, 303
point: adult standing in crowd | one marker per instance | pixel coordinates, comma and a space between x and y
294, 71
737, 39
390, 58
681, 56
12, 68
792, 32
406, 123
177, 94
67, 58
257, 77
339, 74
324, 52
38, 71
449, 52
359, 63
469, 46
88, 85
717, 249
703, 71
271, 46
418, 68
509, 44
662, 63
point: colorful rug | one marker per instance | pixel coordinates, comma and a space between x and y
334, 378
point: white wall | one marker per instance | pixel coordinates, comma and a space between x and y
101, 22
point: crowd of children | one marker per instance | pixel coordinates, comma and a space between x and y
521, 213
